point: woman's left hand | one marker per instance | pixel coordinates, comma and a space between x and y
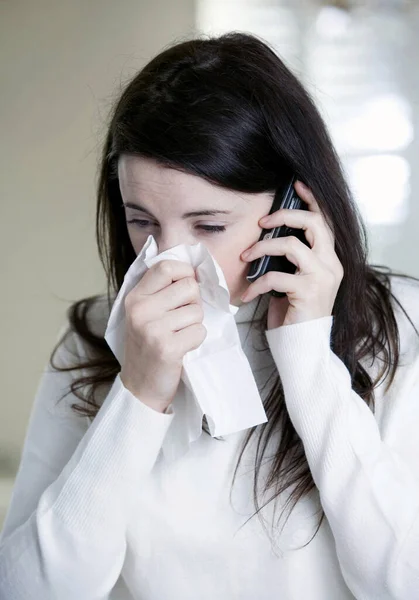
311, 291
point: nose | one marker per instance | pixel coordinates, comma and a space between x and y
170, 239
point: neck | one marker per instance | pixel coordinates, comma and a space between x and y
247, 310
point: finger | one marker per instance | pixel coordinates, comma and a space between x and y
308, 197
161, 274
290, 246
316, 230
274, 280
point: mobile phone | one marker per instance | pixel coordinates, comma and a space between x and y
285, 197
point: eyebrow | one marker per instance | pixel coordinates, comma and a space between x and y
195, 213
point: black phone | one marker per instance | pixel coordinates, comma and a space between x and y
285, 197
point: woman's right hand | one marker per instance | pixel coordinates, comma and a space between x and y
164, 317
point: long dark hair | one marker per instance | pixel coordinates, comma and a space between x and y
227, 109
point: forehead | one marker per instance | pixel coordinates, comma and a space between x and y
145, 180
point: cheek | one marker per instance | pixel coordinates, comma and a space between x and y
136, 241
235, 271
229, 259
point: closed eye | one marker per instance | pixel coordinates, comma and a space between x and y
207, 228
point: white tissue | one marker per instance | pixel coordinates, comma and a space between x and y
216, 378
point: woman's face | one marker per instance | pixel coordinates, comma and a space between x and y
164, 196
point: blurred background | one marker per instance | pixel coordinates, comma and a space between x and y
63, 64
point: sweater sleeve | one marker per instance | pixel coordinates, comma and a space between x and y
64, 532
368, 480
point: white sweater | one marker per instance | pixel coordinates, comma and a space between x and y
96, 513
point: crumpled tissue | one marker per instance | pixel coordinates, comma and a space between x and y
216, 378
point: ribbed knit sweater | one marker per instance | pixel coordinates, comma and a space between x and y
96, 513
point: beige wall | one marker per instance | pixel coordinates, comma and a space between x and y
61, 66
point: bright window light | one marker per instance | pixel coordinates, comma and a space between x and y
381, 186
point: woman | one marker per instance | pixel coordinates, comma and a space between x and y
210, 125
